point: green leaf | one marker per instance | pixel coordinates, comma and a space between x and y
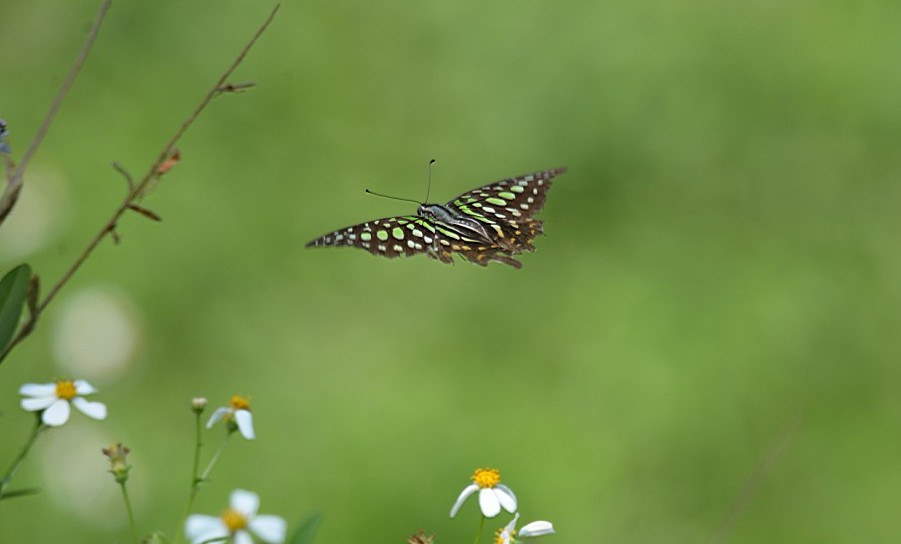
19, 493
13, 290
307, 529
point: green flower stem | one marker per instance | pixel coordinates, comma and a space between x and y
209, 468
198, 443
198, 481
38, 428
131, 513
481, 525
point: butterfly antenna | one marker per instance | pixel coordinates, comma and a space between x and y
429, 186
427, 191
393, 197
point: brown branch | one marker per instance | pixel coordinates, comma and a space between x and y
14, 185
135, 193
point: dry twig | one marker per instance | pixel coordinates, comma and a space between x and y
16, 178
136, 191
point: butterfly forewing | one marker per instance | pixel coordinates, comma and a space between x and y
511, 199
504, 208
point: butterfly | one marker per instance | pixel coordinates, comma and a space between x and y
491, 223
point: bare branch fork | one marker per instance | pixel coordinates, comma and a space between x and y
135, 190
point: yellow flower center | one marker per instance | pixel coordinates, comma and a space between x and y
486, 477
240, 403
235, 521
65, 389
499, 536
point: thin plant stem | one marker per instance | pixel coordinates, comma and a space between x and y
131, 514
198, 481
481, 526
198, 444
35, 432
139, 190
212, 464
761, 471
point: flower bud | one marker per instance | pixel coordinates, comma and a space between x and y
117, 455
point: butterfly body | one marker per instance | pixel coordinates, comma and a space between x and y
490, 223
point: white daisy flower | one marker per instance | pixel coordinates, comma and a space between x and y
239, 524
509, 534
492, 494
236, 413
53, 399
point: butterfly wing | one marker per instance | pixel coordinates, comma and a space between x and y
511, 199
389, 237
507, 207
409, 235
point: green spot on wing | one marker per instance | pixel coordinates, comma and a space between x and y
382, 235
507, 195
517, 188
449, 233
365, 236
496, 201
426, 225
398, 233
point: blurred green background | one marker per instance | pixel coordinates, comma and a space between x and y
720, 271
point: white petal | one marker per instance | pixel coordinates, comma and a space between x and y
269, 528
38, 390
537, 528
245, 423
199, 528
96, 410
245, 502
489, 503
37, 403
83, 388
505, 537
506, 497
243, 537
217, 415
469, 490
57, 414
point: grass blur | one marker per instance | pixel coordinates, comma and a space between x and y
720, 265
